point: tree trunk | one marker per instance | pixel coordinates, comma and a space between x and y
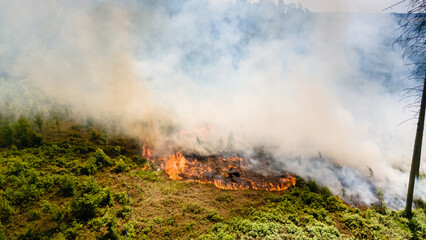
417, 152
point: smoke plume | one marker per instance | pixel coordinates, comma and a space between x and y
320, 91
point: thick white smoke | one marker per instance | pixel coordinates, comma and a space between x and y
249, 74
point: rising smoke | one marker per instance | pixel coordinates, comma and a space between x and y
320, 91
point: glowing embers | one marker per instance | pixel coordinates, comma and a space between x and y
231, 173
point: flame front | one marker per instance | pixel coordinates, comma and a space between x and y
175, 165
224, 173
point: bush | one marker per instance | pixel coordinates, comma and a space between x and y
89, 168
98, 138
192, 208
67, 186
354, 221
84, 207
129, 231
90, 186
16, 166
26, 194
101, 159
139, 159
322, 231
214, 216
34, 215
113, 151
121, 166
122, 198
124, 211
56, 214
225, 198
2, 235
6, 210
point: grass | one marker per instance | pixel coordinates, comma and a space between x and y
81, 183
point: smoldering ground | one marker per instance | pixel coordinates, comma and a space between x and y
253, 74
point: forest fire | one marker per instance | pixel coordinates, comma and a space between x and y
230, 173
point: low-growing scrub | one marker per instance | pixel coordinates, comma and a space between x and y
77, 182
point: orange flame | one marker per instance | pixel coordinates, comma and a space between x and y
175, 165
224, 173
146, 152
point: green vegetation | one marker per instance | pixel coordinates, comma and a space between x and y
61, 180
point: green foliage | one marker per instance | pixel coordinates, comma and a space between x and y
189, 226
122, 198
98, 138
147, 175
417, 224
56, 190
56, 213
225, 198
192, 208
109, 221
113, 151
24, 135
124, 211
139, 159
38, 121
120, 166
101, 159
214, 216
6, 210
6, 134
2, 234
322, 231
84, 206
380, 206
67, 186
129, 231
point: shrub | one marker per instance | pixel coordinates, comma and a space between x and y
129, 231
15, 167
2, 235
101, 159
189, 226
89, 168
6, 210
214, 216
27, 193
34, 215
56, 214
322, 231
354, 221
98, 138
113, 151
67, 186
84, 207
90, 186
70, 233
124, 211
333, 204
121, 166
122, 198
171, 221
225, 198
158, 220
138, 159
192, 208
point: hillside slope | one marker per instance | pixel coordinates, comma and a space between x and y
62, 180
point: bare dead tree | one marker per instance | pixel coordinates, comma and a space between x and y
412, 40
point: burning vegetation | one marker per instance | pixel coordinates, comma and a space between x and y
224, 172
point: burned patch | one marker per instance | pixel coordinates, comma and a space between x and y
230, 172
